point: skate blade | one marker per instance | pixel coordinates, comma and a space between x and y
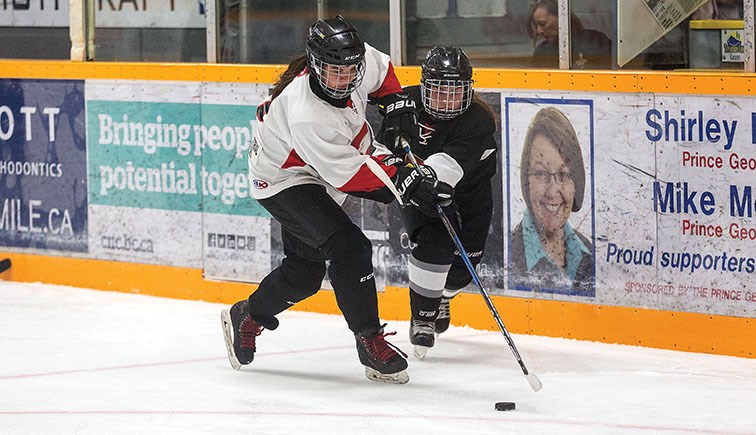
228, 337
420, 351
389, 378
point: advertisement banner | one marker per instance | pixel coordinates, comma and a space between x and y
161, 14
627, 199
550, 206
182, 14
661, 209
701, 197
43, 165
31, 13
170, 150
236, 229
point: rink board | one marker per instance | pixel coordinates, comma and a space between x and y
681, 276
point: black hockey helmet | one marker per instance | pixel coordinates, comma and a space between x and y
446, 82
334, 51
447, 63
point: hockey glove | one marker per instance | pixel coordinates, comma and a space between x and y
422, 189
400, 120
392, 160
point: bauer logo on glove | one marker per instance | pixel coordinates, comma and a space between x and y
410, 180
422, 189
400, 104
400, 121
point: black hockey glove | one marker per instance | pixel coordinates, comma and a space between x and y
400, 120
422, 189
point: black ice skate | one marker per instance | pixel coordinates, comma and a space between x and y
422, 335
240, 332
383, 361
444, 316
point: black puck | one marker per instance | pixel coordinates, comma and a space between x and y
505, 406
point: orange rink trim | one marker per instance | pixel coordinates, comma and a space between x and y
693, 332
664, 82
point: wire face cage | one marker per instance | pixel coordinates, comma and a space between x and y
337, 81
446, 99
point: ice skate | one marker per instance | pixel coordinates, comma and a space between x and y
444, 316
240, 332
383, 361
422, 336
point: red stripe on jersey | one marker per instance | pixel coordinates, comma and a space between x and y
262, 110
361, 135
390, 84
365, 180
293, 160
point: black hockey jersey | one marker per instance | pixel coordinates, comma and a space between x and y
462, 150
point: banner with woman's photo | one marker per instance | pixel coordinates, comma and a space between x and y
550, 218
631, 199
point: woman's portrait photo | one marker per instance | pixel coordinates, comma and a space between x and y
551, 237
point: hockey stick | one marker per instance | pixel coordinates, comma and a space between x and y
532, 379
5, 264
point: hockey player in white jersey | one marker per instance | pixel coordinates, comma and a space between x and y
310, 149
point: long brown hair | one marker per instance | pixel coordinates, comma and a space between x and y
486, 107
296, 66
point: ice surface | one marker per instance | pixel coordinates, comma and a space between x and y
77, 361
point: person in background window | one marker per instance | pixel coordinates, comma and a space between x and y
591, 49
228, 13
457, 143
309, 150
546, 253
719, 10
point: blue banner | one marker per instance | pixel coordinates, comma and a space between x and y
43, 180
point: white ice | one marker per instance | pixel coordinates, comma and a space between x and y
77, 361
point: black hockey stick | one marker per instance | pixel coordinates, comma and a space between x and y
532, 379
5, 264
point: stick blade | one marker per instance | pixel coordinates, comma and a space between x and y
534, 382
5, 264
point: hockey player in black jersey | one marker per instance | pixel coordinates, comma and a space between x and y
310, 149
457, 142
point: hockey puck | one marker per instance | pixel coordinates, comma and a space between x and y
505, 406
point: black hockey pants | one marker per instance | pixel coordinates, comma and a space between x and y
314, 229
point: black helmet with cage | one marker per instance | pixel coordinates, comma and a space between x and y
446, 84
336, 56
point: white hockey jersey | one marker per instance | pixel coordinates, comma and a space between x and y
304, 140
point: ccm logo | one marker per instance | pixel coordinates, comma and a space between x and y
399, 104
260, 184
355, 56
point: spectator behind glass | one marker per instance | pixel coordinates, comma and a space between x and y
546, 253
591, 49
719, 10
